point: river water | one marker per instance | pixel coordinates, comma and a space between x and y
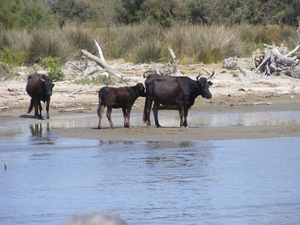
49, 179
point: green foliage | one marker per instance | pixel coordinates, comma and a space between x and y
32, 14
97, 80
164, 12
45, 43
146, 52
11, 57
69, 10
129, 11
53, 65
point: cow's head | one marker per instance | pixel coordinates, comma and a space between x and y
203, 86
47, 85
141, 89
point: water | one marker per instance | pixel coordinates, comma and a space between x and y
50, 179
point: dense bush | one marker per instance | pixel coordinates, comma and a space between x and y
18, 14
143, 43
53, 65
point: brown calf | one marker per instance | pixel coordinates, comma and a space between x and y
118, 97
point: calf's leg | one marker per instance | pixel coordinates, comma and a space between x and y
125, 115
108, 115
100, 113
128, 110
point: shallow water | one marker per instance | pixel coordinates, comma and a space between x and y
50, 179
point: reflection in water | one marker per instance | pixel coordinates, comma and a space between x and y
113, 142
38, 137
152, 183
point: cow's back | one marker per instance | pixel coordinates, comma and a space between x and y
168, 90
116, 96
32, 86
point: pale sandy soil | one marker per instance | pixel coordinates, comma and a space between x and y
230, 94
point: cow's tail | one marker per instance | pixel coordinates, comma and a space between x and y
99, 102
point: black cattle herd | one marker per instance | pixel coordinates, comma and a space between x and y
179, 91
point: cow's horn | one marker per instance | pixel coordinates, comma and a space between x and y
213, 73
197, 78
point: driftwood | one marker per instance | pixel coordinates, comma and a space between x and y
165, 70
273, 60
106, 66
101, 64
176, 71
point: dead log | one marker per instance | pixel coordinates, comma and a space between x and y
175, 63
283, 59
106, 66
101, 62
267, 57
248, 73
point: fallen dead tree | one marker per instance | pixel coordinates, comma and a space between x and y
272, 60
101, 62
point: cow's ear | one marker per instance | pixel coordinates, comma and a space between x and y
210, 83
53, 85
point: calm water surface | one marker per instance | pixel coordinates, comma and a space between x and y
50, 179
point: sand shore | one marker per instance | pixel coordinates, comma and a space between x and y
231, 94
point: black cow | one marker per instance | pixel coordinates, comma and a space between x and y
118, 97
39, 88
173, 91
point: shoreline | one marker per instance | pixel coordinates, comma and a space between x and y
87, 120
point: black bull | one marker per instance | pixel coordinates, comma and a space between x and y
39, 88
173, 91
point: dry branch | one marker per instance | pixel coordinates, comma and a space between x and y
175, 63
106, 66
87, 70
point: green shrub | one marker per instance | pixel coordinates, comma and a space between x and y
97, 80
11, 57
53, 65
146, 52
50, 44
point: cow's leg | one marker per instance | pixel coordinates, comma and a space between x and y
32, 100
100, 111
155, 113
36, 112
147, 111
47, 109
185, 117
125, 116
108, 115
128, 116
40, 109
181, 113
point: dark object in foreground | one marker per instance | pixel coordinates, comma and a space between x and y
97, 218
39, 88
173, 91
118, 97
